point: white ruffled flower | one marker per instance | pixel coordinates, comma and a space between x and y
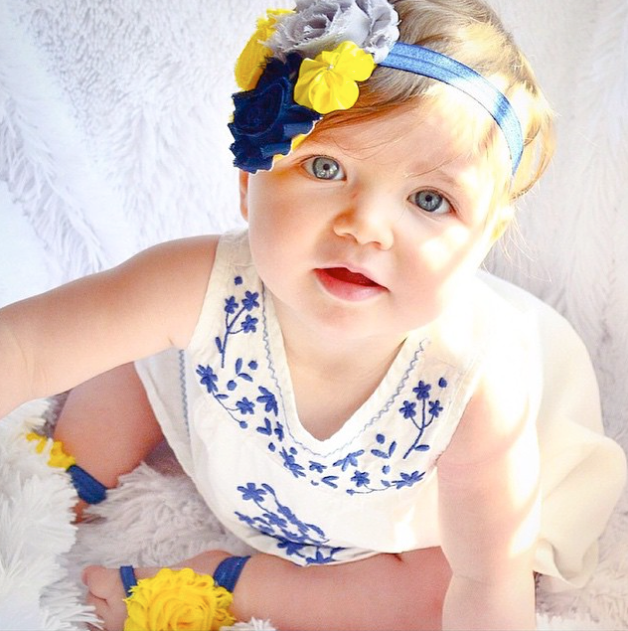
318, 25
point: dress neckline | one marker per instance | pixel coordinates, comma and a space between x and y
379, 402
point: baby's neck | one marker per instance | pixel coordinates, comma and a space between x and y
344, 376
331, 357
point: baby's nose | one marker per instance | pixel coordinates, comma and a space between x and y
367, 221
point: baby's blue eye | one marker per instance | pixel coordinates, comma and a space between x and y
431, 202
324, 168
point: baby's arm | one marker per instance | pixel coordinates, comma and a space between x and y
488, 502
52, 342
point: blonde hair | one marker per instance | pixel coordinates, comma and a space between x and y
470, 32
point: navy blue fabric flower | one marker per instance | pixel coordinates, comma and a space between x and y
266, 119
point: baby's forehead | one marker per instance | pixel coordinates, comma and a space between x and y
436, 137
428, 125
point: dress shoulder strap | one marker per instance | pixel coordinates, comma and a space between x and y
233, 268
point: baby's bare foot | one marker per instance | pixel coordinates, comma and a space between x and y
106, 593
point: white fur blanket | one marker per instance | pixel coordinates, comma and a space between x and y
42, 553
113, 137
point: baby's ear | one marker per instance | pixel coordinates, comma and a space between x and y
244, 190
501, 221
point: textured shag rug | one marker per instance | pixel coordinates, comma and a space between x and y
113, 137
155, 518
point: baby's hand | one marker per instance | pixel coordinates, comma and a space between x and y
106, 595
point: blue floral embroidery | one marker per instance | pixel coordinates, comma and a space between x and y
240, 318
386, 455
233, 308
274, 519
384, 464
269, 400
360, 478
408, 479
350, 460
317, 466
290, 463
329, 480
430, 411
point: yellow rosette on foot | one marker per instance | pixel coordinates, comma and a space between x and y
178, 600
56, 456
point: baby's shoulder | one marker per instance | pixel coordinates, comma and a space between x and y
180, 262
501, 407
491, 320
172, 279
502, 321
185, 251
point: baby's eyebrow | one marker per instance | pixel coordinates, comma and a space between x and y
318, 142
450, 179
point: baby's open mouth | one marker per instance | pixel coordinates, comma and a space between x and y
347, 276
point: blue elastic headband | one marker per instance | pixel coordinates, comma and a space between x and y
429, 63
300, 65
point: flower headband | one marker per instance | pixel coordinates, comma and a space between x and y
300, 65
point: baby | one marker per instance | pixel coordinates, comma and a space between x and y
354, 399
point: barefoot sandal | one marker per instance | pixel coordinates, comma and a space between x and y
88, 488
181, 599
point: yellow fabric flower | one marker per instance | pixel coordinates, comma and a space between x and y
328, 82
250, 63
177, 600
57, 457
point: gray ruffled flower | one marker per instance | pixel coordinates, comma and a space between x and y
318, 25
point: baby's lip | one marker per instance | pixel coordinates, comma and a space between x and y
349, 284
353, 277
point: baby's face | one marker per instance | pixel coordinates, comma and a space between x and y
372, 228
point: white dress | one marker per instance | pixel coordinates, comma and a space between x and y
227, 408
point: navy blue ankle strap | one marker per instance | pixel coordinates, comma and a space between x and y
228, 572
89, 489
129, 580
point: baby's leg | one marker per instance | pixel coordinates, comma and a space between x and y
108, 425
381, 592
